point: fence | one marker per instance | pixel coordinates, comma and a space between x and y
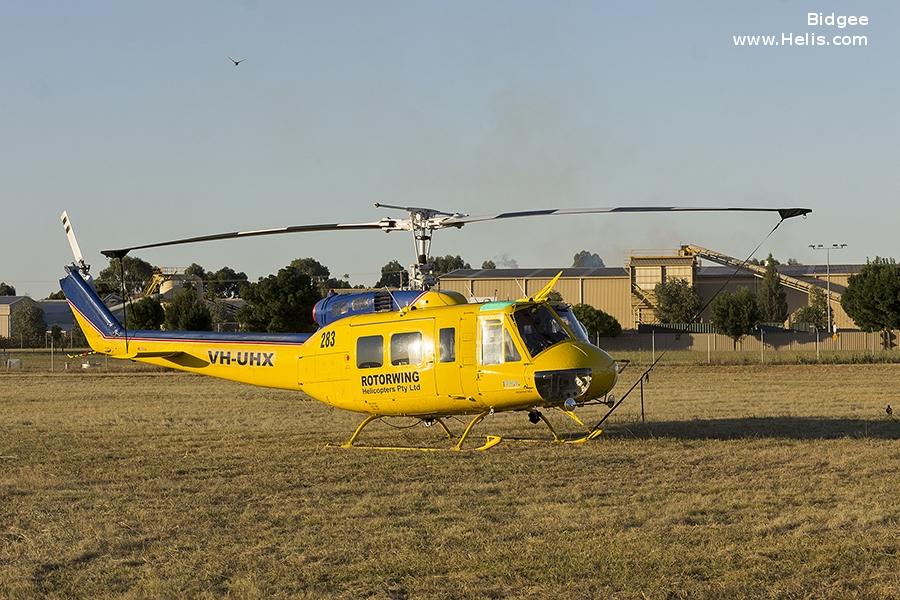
846, 341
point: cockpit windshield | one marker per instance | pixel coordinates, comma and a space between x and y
539, 328
568, 315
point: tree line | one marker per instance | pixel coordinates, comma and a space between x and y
872, 300
282, 302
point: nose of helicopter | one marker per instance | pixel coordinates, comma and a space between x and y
574, 370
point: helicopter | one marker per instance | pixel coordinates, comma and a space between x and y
421, 353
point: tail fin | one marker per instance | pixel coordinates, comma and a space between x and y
100, 326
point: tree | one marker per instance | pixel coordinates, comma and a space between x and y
195, 270
677, 301
57, 296
225, 283
57, 335
587, 259
311, 267
146, 313
736, 314
137, 275
6, 289
597, 322
186, 312
448, 263
222, 314
872, 298
393, 275
772, 297
27, 323
279, 303
816, 312
793, 262
320, 275
488, 264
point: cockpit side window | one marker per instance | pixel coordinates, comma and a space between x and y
491, 342
497, 345
510, 353
568, 315
539, 328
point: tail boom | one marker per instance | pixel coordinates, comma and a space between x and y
258, 358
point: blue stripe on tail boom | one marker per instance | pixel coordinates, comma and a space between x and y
83, 297
86, 301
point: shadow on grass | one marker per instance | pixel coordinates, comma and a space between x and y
794, 428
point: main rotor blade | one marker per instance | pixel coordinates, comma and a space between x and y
383, 224
785, 213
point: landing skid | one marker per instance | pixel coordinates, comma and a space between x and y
490, 440
535, 416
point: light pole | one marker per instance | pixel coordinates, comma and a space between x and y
828, 250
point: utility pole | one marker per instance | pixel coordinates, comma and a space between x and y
828, 249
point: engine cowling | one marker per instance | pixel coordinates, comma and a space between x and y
338, 306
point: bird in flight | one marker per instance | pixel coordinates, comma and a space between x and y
236, 62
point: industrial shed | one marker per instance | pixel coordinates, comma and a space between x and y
56, 312
627, 293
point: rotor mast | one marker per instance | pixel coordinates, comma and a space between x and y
422, 222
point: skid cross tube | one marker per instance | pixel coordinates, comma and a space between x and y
444, 427
475, 420
366, 421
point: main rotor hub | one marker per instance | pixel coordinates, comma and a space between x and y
421, 222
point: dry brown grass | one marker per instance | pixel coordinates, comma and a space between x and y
779, 481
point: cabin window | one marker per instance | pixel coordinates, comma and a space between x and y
369, 352
448, 344
491, 342
406, 348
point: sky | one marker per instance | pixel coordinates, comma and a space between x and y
130, 116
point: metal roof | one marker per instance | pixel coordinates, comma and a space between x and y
574, 272
805, 272
57, 312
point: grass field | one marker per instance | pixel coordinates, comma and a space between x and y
746, 481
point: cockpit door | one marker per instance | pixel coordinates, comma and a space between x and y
499, 360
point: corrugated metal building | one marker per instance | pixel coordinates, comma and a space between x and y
627, 293
56, 312
7, 305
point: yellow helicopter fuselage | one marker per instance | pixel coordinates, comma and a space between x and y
439, 356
